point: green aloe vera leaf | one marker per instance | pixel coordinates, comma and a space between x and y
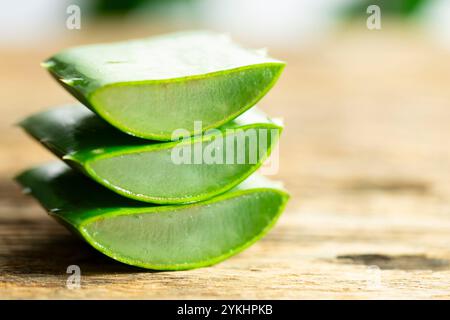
153, 171
171, 237
151, 87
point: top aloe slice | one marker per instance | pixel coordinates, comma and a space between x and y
157, 237
151, 171
151, 87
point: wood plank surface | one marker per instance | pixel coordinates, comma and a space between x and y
365, 156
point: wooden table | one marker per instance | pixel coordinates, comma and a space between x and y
365, 156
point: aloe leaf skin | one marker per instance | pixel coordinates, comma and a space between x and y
145, 170
150, 87
173, 237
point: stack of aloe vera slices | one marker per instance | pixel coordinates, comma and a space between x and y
159, 159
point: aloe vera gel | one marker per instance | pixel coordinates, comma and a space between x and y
158, 158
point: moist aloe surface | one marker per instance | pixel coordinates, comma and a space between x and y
151, 171
150, 87
159, 237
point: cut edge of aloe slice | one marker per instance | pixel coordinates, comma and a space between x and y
89, 233
238, 107
93, 169
100, 227
166, 124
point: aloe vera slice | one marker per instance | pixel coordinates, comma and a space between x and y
151, 87
152, 236
157, 172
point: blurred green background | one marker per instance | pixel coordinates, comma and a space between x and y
287, 23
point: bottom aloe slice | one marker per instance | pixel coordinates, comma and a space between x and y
185, 170
171, 237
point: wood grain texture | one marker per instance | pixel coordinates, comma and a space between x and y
365, 156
